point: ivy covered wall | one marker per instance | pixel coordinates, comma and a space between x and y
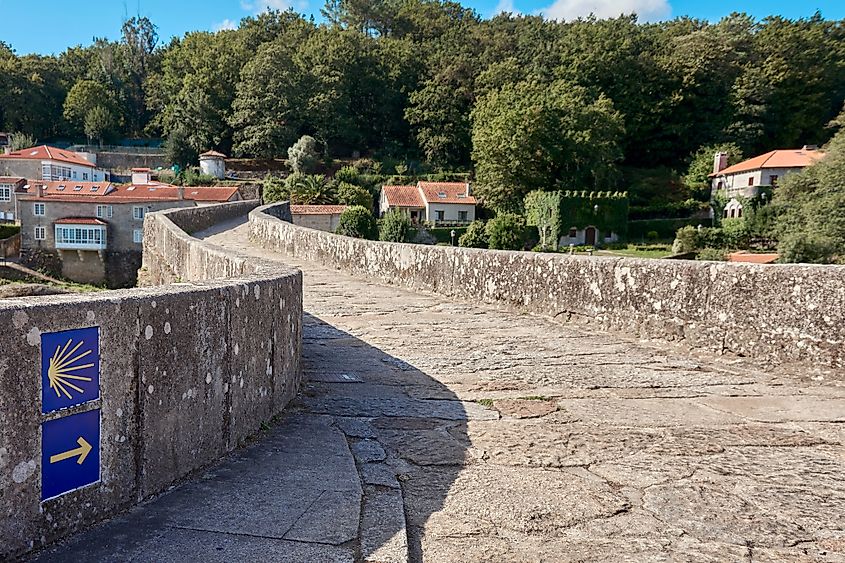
554, 213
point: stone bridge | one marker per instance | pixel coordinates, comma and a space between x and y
480, 406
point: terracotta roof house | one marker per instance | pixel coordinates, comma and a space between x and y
92, 232
746, 179
320, 217
440, 203
49, 163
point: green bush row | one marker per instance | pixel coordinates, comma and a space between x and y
665, 228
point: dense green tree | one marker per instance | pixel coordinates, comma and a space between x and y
506, 231
350, 194
810, 224
85, 96
475, 236
533, 136
358, 222
303, 155
394, 226
100, 123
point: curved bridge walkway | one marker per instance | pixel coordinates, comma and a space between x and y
433, 430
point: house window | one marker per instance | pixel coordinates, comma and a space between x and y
573, 233
80, 237
138, 213
137, 236
85, 175
751, 181
74, 174
440, 215
463, 216
40, 233
39, 210
104, 212
5, 193
773, 180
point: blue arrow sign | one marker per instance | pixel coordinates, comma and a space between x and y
70, 453
70, 368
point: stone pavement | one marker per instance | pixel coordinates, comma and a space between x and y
435, 430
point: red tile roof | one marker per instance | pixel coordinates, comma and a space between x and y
14, 181
447, 192
80, 221
797, 158
317, 209
45, 152
403, 196
111, 193
751, 258
214, 154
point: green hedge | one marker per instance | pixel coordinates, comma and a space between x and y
7, 231
665, 228
444, 234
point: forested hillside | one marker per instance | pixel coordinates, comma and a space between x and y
525, 102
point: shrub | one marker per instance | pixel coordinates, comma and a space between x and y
350, 194
303, 155
275, 190
506, 231
192, 177
348, 174
475, 237
652, 235
735, 233
686, 240
807, 249
394, 226
358, 222
713, 254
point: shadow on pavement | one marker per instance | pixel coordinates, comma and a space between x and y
352, 471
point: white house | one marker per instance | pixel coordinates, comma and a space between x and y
745, 178
440, 203
319, 217
50, 164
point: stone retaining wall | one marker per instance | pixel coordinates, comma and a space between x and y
777, 313
10, 247
187, 373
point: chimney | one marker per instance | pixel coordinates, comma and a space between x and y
720, 162
39, 190
810, 148
181, 192
7, 150
141, 176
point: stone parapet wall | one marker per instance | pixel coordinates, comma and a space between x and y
187, 373
776, 313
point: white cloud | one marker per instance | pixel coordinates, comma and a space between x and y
258, 6
647, 10
505, 6
225, 24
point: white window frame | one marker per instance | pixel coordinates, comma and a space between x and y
5, 193
138, 213
40, 233
138, 236
105, 212
39, 209
80, 237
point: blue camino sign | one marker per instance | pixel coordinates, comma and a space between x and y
70, 368
70, 453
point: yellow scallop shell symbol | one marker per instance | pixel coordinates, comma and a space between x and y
63, 364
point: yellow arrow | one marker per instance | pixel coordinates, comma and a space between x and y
82, 451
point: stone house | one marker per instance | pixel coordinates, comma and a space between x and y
439, 203
49, 164
92, 232
748, 178
319, 217
9, 188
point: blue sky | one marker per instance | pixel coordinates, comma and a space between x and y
50, 26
